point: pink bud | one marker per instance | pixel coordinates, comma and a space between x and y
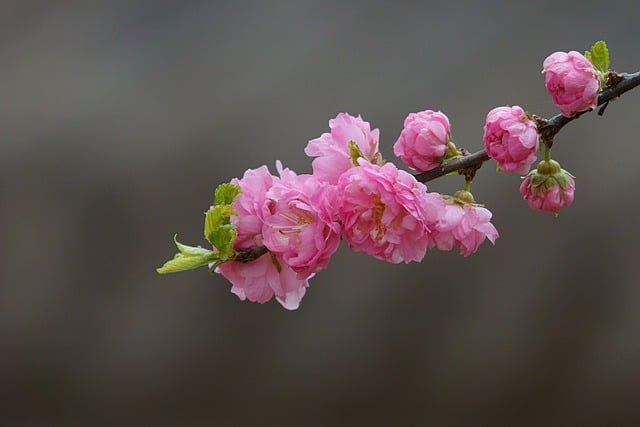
572, 81
548, 188
423, 141
511, 139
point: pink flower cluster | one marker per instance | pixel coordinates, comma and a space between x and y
352, 195
511, 139
572, 81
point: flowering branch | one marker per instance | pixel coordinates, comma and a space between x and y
621, 83
354, 196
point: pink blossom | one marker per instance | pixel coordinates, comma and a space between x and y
259, 280
465, 226
423, 140
301, 226
251, 205
511, 139
385, 212
332, 152
548, 188
572, 81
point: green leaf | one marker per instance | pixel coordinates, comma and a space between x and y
187, 250
182, 263
222, 238
215, 218
225, 194
354, 153
599, 56
188, 258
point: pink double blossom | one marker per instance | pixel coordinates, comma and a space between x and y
262, 279
268, 276
548, 188
423, 141
511, 139
331, 150
301, 225
385, 212
572, 81
464, 225
251, 205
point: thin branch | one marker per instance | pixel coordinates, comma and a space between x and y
249, 254
620, 83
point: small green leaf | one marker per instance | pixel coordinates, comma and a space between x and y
599, 56
188, 258
222, 238
187, 250
182, 263
225, 194
210, 224
215, 218
354, 152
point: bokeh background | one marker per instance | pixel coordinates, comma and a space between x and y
119, 118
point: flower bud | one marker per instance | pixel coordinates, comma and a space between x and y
548, 188
423, 141
511, 139
572, 81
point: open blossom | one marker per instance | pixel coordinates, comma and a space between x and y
331, 150
250, 205
386, 213
548, 188
259, 280
423, 140
268, 276
301, 226
465, 226
572, 81
511, 139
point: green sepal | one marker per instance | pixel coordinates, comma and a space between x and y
188, 258
225, 194
354, 153
599, 56
563, 178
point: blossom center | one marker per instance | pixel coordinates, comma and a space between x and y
376, 217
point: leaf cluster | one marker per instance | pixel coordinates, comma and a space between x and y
218, 231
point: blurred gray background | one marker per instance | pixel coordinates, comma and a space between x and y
118, 119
